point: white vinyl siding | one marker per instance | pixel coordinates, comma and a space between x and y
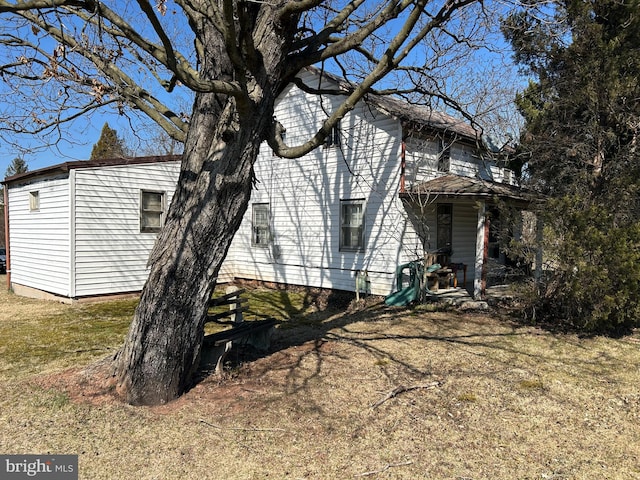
111, 252
304, 196
40, 237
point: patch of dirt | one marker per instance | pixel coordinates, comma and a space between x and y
236, 390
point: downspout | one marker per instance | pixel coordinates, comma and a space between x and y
6, 234
403, 166
72, 233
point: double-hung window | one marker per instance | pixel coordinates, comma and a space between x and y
261, 230
333, 139
152, 211
351, 225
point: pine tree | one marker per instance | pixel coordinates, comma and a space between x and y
582, 125
109, 145
18, 165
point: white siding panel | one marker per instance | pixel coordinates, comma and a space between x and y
304, 196
421, 159
40, 239
110, 251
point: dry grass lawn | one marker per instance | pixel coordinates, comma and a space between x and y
476, 397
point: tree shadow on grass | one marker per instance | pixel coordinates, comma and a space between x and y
317, 318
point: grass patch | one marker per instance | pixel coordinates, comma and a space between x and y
59, 335
533, 384
467, 397
305, 409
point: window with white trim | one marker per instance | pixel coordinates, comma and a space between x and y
34, 201
351, 225
333, 139
152, 210
261, 229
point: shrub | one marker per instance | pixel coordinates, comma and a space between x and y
594, 283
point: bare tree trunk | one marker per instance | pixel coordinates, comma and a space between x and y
162, 350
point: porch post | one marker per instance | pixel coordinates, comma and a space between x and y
478, 278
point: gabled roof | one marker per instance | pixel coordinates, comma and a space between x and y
417, 117
455, 186
107, 162
414, 115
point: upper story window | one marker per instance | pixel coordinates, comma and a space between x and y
261, 229
152, 210
352, 225
34, 201
333, 139
444, 157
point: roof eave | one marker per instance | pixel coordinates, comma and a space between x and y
63, 168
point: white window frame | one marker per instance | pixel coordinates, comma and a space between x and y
34, 201
145, 213
348, 227
334, 138
260, 225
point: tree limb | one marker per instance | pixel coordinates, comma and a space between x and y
385, 468
401, 389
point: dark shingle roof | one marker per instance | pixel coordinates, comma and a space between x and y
457, 186
414, 115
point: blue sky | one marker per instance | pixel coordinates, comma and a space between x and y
84, 136
80, 136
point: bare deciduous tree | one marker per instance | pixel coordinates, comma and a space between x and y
67, 58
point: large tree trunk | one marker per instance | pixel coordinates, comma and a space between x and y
162, 350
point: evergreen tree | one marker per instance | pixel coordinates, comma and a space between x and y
109, 145
18, 165
582, 124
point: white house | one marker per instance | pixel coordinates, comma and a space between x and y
390, 181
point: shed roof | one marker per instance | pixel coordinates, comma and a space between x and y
455, 186
107, 162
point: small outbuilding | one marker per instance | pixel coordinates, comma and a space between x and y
81, 229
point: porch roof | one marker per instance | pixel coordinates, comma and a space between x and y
455, 186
